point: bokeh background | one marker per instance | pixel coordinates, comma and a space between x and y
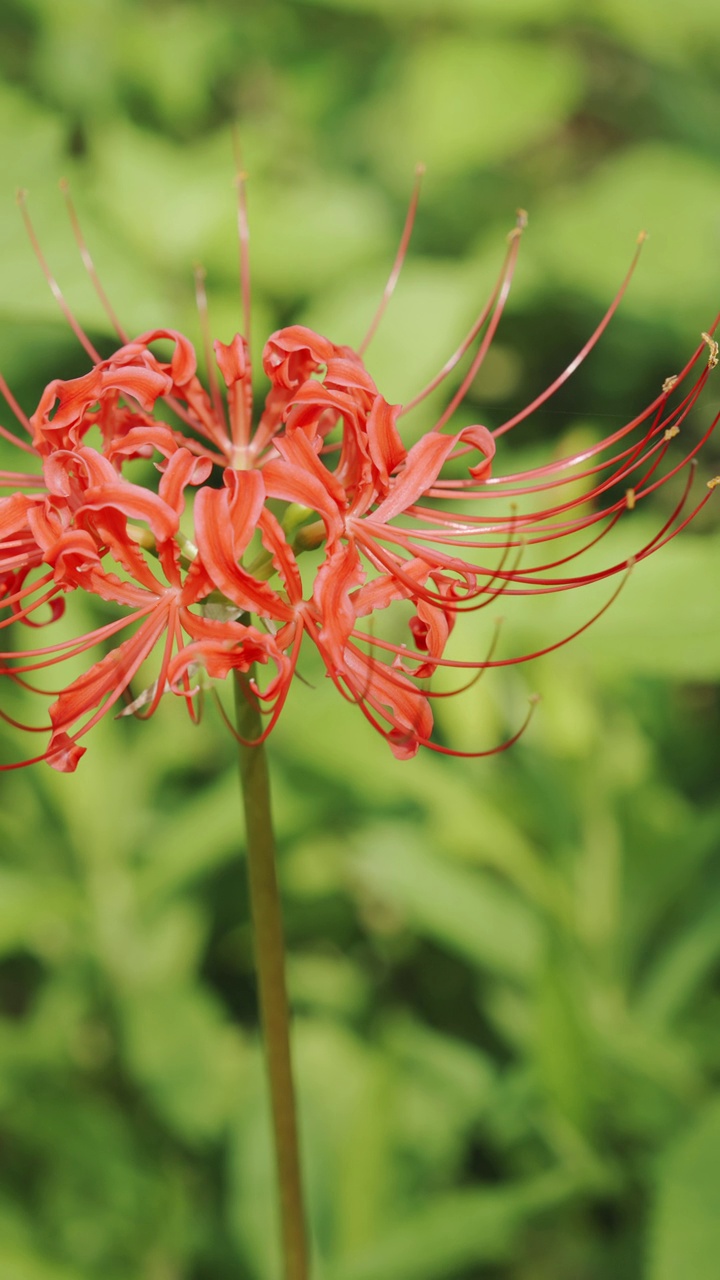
506, 971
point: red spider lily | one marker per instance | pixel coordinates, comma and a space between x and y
324, 465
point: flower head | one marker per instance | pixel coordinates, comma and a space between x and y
202, 568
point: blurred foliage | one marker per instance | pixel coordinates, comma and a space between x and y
505, 972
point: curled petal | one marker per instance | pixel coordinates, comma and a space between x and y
430, 629
64, 754
183, 364
484, 441
14, 513
233, 648
315, 408
335, 579
234, 364
394, 697
106, 681
346, 372
233, 360
47, 524
182, 469
228, 517
140, 440
73, 557
301, 477
137, 504
292, 354
73, 398
225, 520
381, 592
197, 585
424, 463
386, 448
283, 558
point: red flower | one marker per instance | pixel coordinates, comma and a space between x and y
325, 465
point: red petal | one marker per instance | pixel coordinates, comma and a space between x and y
424, 463
64, 754
182, 469
109, 677
225, 520
386, 448
301, 477
335, 579
232, 359
292, 354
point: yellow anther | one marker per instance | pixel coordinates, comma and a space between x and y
713, 484
713, 357
521, 222
669, 383
671, 433
630, 499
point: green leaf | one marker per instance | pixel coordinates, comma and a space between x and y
460, 102
683, 965
454, 1232
562, 1046
585, 237
33, 145
685, 1226
469, 912
19, 1263
187, 211
37, 915
310, 231
178, 1046
191, 840
652, 26
78, 68
510, 13
445, 1088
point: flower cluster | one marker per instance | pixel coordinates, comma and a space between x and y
324, 466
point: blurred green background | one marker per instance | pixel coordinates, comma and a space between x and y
505, 972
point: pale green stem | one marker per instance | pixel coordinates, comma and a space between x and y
270, 962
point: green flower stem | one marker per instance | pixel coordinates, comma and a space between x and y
270, 961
